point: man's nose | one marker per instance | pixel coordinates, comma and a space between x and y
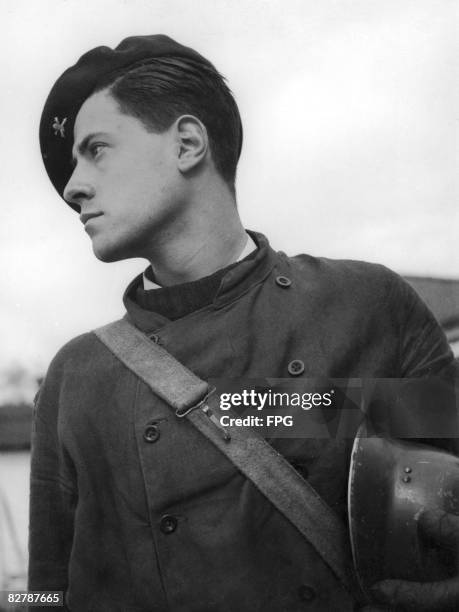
78, 190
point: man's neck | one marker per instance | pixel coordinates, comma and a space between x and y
210, 237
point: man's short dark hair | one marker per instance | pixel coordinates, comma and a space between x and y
157, 92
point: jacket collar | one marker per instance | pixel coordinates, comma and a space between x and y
234, 284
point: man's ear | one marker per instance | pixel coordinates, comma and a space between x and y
192, 140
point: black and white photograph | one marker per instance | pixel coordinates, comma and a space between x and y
229, 368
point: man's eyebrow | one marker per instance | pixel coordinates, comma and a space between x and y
82, 147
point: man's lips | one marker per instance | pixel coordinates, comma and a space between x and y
84, 217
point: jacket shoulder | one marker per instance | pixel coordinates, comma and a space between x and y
79, 355
75, 361
360, 279
75, 349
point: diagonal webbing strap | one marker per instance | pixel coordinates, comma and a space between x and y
275, 478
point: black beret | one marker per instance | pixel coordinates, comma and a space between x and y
78, 82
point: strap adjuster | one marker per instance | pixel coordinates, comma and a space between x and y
207, 411
183, 412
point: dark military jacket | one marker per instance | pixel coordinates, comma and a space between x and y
124, 517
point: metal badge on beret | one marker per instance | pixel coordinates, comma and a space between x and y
59, 126
79, 81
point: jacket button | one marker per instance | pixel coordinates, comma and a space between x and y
168, 524
295, 367
283, 281
151, 433
306, 593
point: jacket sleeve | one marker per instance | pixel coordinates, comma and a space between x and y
426, 394
424, 349
53, 496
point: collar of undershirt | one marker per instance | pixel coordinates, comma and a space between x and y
148, 275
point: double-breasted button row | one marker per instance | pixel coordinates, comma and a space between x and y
168, 523
295, 367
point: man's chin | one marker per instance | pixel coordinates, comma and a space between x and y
108, 254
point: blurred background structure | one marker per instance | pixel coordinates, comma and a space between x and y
350, 151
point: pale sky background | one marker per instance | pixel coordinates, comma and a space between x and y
350, 117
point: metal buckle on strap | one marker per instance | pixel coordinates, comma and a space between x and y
183, 412
208, 412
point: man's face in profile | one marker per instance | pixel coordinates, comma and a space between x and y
125, 181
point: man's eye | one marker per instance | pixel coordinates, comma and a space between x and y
96, 149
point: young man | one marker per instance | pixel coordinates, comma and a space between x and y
132, 508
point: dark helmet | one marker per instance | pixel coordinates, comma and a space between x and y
390, 483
